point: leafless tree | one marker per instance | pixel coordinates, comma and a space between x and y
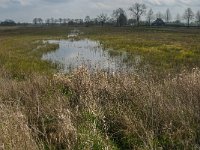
168, 15
188, 15
102, 18
47, 21
37, 21
60, 20
198, 17
137, 11
178, 18
119, 16
52, 20
150, 16
87, 20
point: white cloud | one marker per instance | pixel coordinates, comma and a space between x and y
27, 9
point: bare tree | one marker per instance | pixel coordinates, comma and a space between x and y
178, 18
118, 12
150, 16
47, 21
198, 17
40, 21
87, 20
168, 15
37, 21
52, 20
120, 16
122, 20
60, 20
188, 15
102, 18
65, 21
138, 10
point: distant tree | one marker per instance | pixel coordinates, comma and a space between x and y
37, 21
188, 15
111, 21
122, 20
40, 21
119, 16
87, 20
47, 21
198, 17
52, 20
150, 16
178, 18
8, 22
167, 15
102, 18
60, 20
137, 11
117, 12
65, 21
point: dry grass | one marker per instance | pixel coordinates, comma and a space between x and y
135, 113
35, 111
91, 110
100, 110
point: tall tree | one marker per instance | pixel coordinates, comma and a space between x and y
87, 20
47, 21
60, 20
178, 18
102, 18
168, 15
117, 13
35, 21
150, 16
122, 20
198, 17
137, 11
188, 15
120, 16
40, 21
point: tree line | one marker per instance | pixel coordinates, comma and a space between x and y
140, 15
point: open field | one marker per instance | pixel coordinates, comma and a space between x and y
41, 109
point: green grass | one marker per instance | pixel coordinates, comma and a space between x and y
41, 109
22, 48
163, 48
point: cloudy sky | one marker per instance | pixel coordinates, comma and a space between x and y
26, 10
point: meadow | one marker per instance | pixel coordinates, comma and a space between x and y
43, 109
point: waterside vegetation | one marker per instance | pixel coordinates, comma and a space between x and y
42, 109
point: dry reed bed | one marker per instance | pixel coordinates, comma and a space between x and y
124, 111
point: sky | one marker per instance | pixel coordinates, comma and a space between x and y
26, 10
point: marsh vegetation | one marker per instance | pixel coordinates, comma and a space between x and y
156, 106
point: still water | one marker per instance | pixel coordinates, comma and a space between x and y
74, 53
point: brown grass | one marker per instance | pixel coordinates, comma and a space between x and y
92, 110
84, 110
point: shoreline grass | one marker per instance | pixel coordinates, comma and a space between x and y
96, 110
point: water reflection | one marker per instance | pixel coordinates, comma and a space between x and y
72, 54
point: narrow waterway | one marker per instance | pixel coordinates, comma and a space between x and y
74, 53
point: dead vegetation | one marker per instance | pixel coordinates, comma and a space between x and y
99, 110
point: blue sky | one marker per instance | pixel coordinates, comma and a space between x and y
26, 10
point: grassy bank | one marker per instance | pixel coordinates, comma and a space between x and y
170, 49
97, 110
